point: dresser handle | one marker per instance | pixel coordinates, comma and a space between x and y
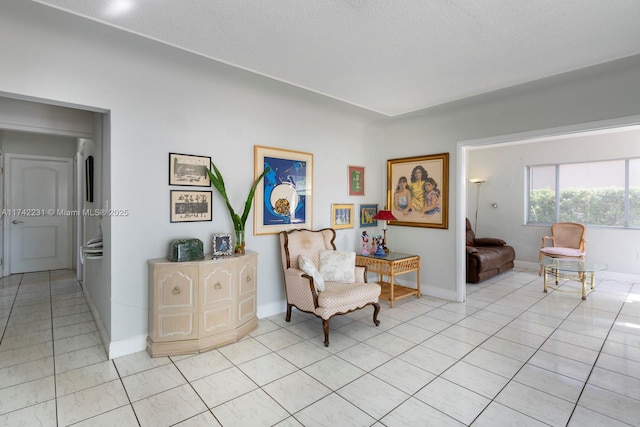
248, 279
175, 290
217, 286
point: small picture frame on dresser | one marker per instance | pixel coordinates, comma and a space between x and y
222, 244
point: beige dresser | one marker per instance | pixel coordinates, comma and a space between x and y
196, 306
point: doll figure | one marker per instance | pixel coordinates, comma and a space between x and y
377, 248
365, 243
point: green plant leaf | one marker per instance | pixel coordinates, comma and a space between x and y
218, 183
247, 205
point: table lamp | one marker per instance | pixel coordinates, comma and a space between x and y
384, 215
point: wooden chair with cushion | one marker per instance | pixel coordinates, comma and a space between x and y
567, 241
321, 280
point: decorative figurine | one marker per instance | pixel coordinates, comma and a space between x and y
379, 246
365, 243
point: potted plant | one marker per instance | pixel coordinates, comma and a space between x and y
238, 221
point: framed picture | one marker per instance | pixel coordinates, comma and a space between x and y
418, 190
342, 216
188, 170
356, 180
284, 197
367, 213
190, 206
222, 244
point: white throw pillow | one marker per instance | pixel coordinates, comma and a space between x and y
307, 266
337, 266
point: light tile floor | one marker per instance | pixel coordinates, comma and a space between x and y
510, 356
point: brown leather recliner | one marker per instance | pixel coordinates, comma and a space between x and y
487, 257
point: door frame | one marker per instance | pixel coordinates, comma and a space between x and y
73, 196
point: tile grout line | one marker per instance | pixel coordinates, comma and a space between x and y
53, 356
15, 297
604, 342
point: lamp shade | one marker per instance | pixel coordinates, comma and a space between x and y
385, 215
477, 180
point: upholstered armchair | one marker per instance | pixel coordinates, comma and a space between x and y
566, 241
487, 256
322, 281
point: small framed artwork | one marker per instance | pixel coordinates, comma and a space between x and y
418, 190
190, 206
283, 199
222, 244
367, 215
356, 180
189, 170
342, 216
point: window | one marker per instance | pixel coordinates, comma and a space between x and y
605, 193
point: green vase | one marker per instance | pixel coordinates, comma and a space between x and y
239, 248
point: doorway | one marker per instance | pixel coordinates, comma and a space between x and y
526, 137
38, 214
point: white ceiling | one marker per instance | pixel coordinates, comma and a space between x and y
388, 56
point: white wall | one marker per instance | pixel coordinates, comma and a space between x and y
504, 168
161, 100
24, 115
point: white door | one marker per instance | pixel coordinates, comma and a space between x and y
38, 212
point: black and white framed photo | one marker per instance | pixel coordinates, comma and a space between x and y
190, 206
189, 170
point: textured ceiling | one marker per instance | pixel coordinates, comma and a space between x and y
388, 56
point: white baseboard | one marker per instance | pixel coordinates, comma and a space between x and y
116, 348
102, 331
622, 277
526, 265
445, 294
127, 346
436, 292
272, 309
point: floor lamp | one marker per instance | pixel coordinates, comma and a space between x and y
478, 182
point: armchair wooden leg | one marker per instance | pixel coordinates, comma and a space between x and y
325, 326
376, 310
288, 318
540, 256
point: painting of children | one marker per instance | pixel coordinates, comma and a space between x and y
418, 190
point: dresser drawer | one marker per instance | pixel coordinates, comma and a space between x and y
216, 281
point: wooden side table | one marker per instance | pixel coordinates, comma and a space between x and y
392, 265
